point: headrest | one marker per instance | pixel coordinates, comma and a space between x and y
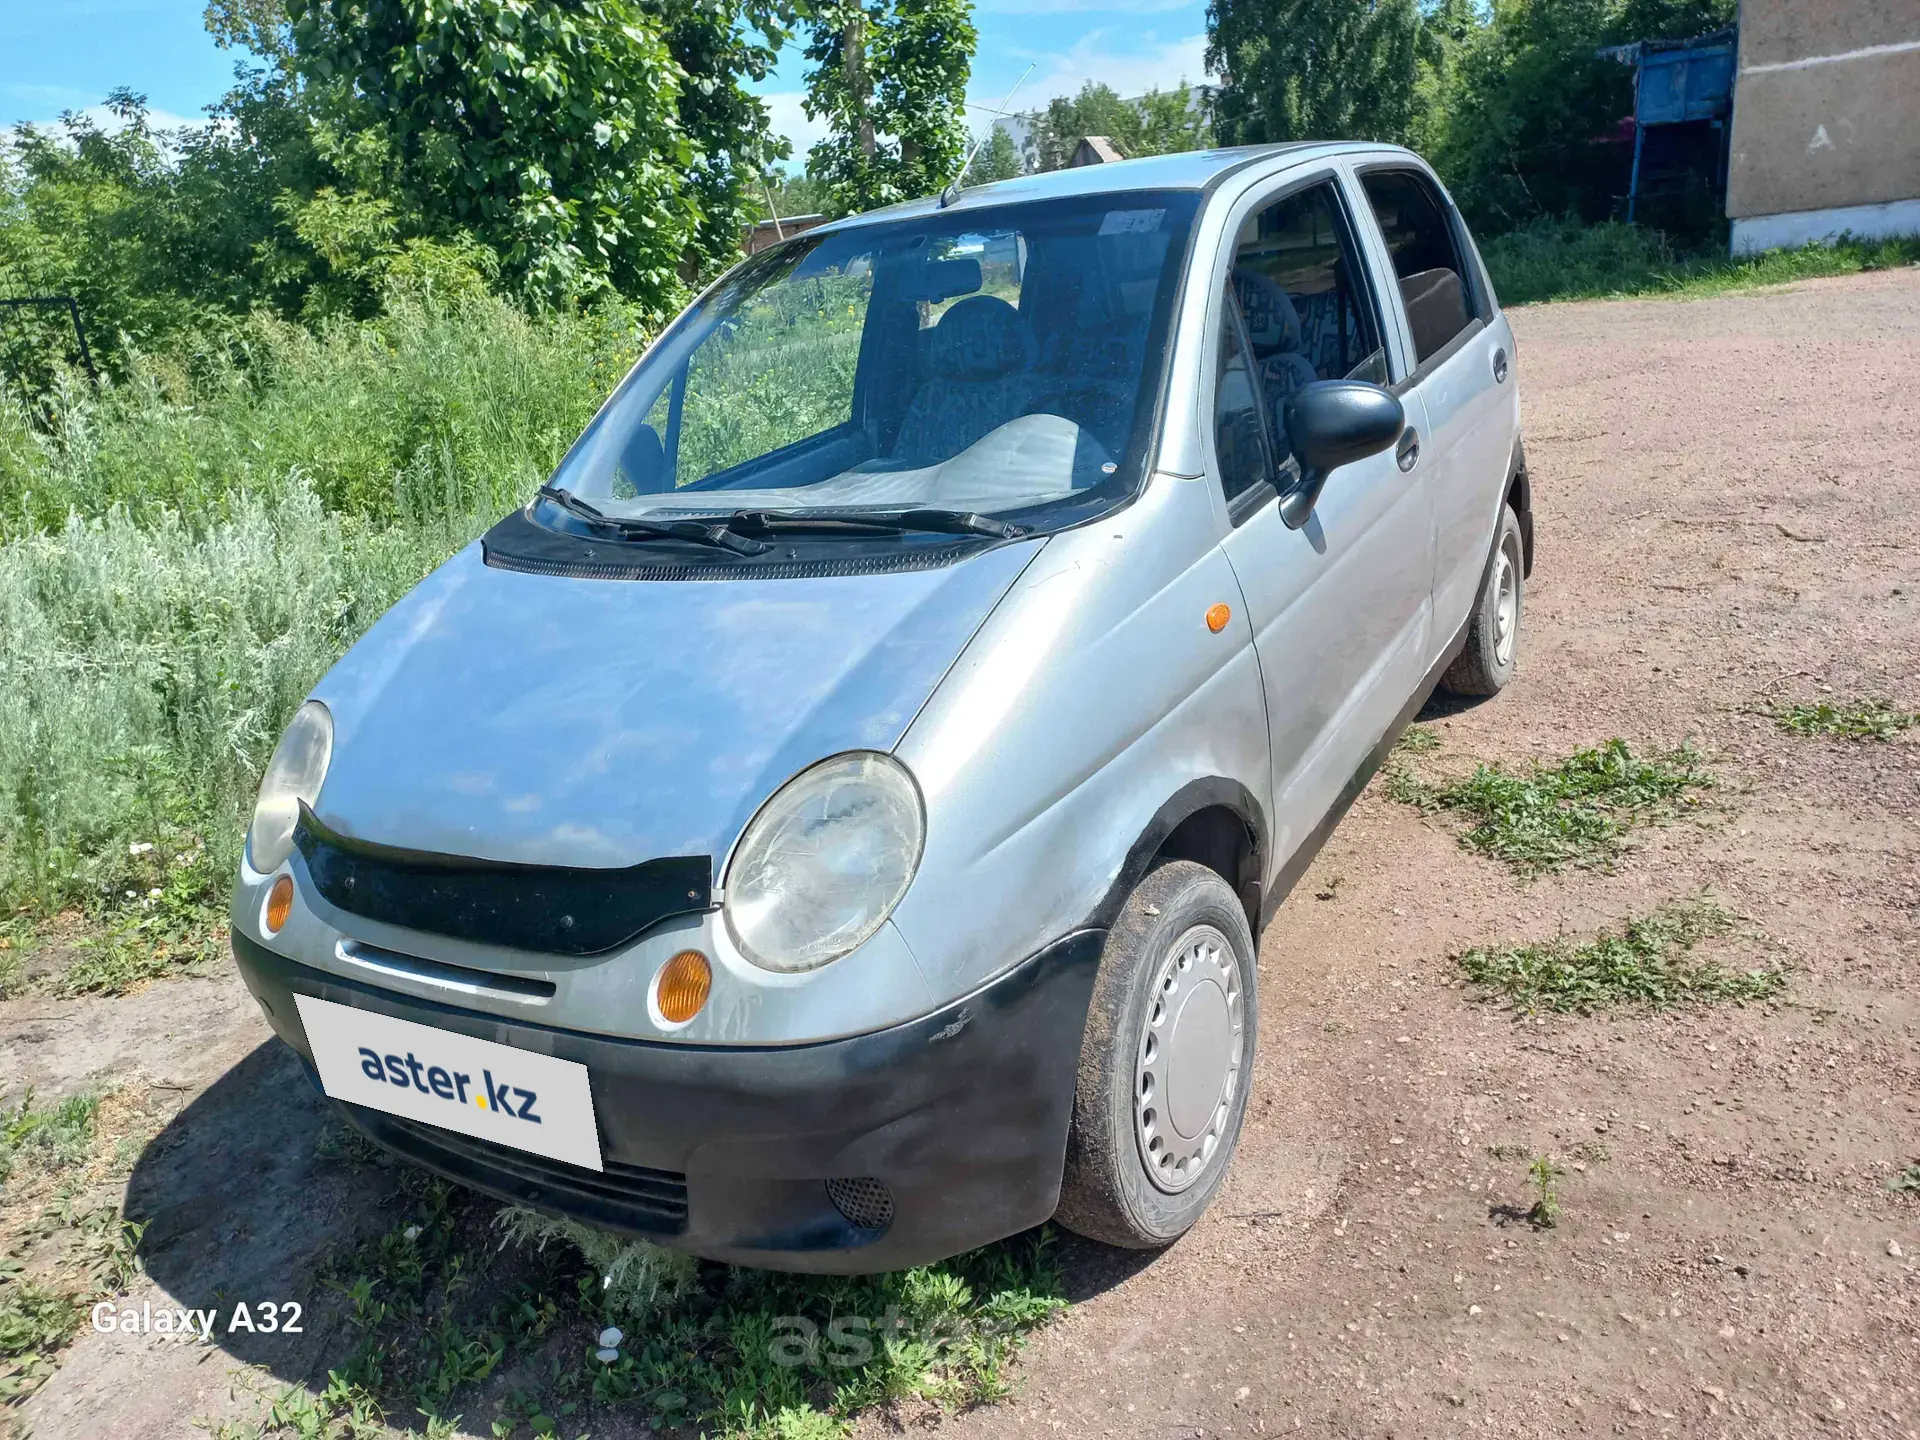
981, 338
1272, 322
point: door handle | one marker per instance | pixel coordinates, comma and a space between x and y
1407, 453
1500, 367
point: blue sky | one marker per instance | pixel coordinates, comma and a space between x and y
57, 55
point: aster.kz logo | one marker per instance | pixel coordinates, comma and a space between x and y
413, 1073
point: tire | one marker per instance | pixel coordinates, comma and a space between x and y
1493, 631
1112, 1191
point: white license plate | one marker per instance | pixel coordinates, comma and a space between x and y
493, 1092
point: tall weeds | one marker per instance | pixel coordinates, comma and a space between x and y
184, 554
430, 410
146, 670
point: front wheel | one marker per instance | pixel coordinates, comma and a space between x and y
1165, 1064
1493, 629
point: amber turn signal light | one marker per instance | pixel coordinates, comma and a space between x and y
279, 904
1217, 617
682, 986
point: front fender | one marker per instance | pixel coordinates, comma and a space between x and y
1093, 694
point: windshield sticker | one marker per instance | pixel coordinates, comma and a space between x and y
1131, 222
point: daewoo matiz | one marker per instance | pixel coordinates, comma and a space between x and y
829, 826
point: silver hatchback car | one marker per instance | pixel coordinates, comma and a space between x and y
829, 827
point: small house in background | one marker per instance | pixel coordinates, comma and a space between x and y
1094, 150
771, 232
1826, 122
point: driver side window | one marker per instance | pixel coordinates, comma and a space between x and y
1303, 291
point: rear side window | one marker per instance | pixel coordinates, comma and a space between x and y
1426, 258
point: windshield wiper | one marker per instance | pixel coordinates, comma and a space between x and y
715, 534
894, 522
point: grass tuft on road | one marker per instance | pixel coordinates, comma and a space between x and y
448, 1320
1869, 719
1568, 260
1577, 813
1648, 962
53, 1137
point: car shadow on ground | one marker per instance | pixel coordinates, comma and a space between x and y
249, 1189
1444, 704
240, 1204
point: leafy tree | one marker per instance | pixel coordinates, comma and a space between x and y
151, 231
1528, 108
1316, 69
1159, 123
889, 77
997, 160
548, 133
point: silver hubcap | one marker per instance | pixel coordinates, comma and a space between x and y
1506, 603
1188, 1068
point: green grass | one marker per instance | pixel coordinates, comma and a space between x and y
462, 1309
1566, 260
1648, 962
1576, 813
46, 1137
1871, 719
427, 412
1417, 740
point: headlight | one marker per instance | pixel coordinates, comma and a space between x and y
822, 865
294, 774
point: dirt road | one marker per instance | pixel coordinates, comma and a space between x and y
1728, 503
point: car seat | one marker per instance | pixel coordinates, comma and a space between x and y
1273, 327
980, 375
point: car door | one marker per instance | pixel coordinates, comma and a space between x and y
1461, 354
1338, 607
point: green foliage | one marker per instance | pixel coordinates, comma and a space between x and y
1907, 1181
1872, 719
438, 1304
1525, 105
549, 134
1646, 963
437, 408
1317, 69
1545, 1176
146, 673
997, 160
1161, 122
1576, 813
1567, 260
889, 78
49, 1137
1417, 740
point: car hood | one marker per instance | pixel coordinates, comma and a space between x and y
551, 720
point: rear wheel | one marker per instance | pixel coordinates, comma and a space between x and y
1165, 1063
1493, 629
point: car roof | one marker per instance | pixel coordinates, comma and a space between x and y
1189, 170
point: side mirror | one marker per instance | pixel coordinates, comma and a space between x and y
1333, 423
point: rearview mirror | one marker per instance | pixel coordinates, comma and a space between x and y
1333, 423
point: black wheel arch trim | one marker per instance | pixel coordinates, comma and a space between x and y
1212, 792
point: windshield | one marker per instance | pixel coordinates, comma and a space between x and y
990, 361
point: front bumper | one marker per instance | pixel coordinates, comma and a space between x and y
727, 1152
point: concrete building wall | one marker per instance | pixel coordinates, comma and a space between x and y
1826, 121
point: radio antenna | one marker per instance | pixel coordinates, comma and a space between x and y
952, 192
